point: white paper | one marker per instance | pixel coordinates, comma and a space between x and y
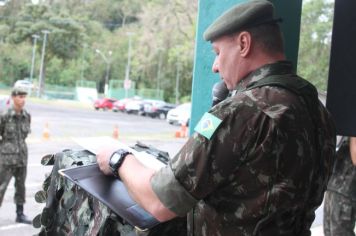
94, 144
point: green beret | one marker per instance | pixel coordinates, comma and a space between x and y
18, 91
240, 17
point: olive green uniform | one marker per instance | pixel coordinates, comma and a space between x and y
14, 129
263, 171
340, 197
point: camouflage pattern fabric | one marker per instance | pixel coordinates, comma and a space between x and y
69, 210
264, 170
13, 131
13, 152
339, 215
6, 173
340, 197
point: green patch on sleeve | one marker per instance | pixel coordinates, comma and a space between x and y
207, 125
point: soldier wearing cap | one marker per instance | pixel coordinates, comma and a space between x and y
14, 128
259, 161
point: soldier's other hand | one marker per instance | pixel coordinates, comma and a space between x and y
103, 158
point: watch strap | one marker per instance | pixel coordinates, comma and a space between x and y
116, 160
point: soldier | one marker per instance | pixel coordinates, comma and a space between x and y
14, 128
340, 197
259, 161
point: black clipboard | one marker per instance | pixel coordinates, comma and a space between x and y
112, 192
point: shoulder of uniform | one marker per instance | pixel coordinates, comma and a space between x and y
233, 104
6, 113
26, 113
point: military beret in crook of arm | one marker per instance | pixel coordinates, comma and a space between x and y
240, 17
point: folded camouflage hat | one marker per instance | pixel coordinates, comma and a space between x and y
240, 17
18, 91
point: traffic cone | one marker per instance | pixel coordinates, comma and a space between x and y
115, 133
46, 133
183, 131
177, 134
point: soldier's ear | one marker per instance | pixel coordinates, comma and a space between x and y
244, 43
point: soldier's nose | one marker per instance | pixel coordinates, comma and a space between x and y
215, 67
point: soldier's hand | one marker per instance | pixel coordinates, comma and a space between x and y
103, 158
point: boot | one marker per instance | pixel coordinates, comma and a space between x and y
20, 216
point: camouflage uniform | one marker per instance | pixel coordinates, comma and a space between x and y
13, 152
340, 197
264, 170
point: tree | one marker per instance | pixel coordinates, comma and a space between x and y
315, 41
163, 31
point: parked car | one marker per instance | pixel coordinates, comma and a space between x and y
119, 105
180, 115
134, 106
104, 103
157, 108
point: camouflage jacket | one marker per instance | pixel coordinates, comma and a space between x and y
343, 179
13, 132
262, 172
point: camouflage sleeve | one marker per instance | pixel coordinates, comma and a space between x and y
202, 166
165, 185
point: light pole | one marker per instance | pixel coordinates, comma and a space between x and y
159, 72
127, 72
35, 37
177, 82
108, 62
82, 69
41, 80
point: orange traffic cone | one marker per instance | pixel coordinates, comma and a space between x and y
115, 133
46, 133
177, 134
183, 131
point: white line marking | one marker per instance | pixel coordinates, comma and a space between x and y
14, 226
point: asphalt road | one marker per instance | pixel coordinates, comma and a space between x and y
68, 120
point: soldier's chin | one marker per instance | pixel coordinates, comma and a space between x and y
229, 86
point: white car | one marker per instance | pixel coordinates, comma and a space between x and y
134, 106
180, 115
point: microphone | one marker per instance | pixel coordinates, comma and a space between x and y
219, 92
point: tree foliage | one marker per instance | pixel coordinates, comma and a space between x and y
315, 41
162, 41
162, 35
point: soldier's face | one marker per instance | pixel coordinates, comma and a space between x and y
19, 101
227, 60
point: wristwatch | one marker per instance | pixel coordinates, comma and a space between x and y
116, 160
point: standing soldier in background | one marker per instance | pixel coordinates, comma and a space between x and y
14, 128
340, 197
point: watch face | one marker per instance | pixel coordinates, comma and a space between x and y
115, 158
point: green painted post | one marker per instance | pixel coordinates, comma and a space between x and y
203, 78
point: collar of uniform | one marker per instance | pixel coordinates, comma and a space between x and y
277, 68
12, 112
